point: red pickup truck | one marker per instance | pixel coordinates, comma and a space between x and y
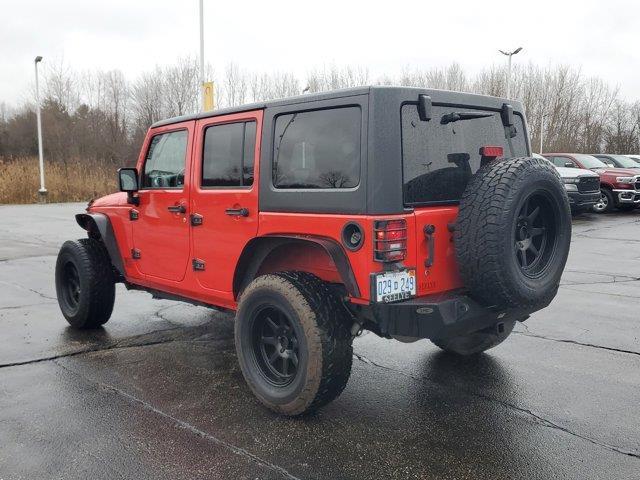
620, 187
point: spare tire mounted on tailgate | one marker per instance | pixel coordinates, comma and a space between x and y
513, 232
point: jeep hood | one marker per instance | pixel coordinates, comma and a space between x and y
111, 200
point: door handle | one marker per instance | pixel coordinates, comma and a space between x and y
177, 208
429, 230
237, 212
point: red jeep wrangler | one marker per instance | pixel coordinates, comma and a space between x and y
412, 213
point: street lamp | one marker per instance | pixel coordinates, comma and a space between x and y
42, 193
542, 119
510, 54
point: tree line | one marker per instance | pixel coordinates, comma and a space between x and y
103, 116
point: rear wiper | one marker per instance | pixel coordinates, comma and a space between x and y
456, 116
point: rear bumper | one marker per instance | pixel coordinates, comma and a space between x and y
442, 316
583, 200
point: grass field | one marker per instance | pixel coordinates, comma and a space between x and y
71, 181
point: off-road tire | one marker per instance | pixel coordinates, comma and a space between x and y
489, 224
476, 342
322, 326
92, 303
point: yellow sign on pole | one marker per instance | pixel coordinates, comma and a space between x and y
208, 96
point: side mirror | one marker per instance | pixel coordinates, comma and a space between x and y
569, 165
128, 181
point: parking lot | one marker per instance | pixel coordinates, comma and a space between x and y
157, 393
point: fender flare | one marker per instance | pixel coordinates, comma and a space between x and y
257, 250
98, 226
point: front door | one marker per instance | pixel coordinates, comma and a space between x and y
161, 231
224, 196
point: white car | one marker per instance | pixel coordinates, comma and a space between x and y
583, 187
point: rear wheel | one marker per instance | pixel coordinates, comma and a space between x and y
476, 342
85, 283
293, 342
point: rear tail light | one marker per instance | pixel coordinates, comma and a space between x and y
390, 237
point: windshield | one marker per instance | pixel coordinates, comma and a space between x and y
589, 161
440, 155
624, 162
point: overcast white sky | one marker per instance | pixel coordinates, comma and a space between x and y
601, 37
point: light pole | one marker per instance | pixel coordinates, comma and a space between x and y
510, 54
42, 193
542, 117
201, 56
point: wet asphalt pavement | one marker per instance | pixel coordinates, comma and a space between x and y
157, 393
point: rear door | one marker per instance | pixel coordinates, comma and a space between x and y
161, 230
224, 197
439, 158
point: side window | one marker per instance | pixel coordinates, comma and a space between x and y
165, 163
228, 156
563, 162
608, 161
317, 149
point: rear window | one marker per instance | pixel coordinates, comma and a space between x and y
317, 149
439, 158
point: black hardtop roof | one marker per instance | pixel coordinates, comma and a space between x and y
437, 96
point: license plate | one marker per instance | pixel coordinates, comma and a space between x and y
394, 286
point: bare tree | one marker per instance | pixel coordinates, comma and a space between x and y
103, 115
61, 85
233, 90
333, 78
181, 87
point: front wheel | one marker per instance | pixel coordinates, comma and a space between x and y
293, 342
606, 202
476, 342
85, 283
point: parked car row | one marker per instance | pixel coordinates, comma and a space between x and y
618, 180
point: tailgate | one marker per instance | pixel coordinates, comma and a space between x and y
442, 275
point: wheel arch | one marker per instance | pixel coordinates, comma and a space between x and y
99, 226
256, 253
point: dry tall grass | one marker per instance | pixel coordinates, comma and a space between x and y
70, 181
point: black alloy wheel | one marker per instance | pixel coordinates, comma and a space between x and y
71, 289
535, 234
275, 345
